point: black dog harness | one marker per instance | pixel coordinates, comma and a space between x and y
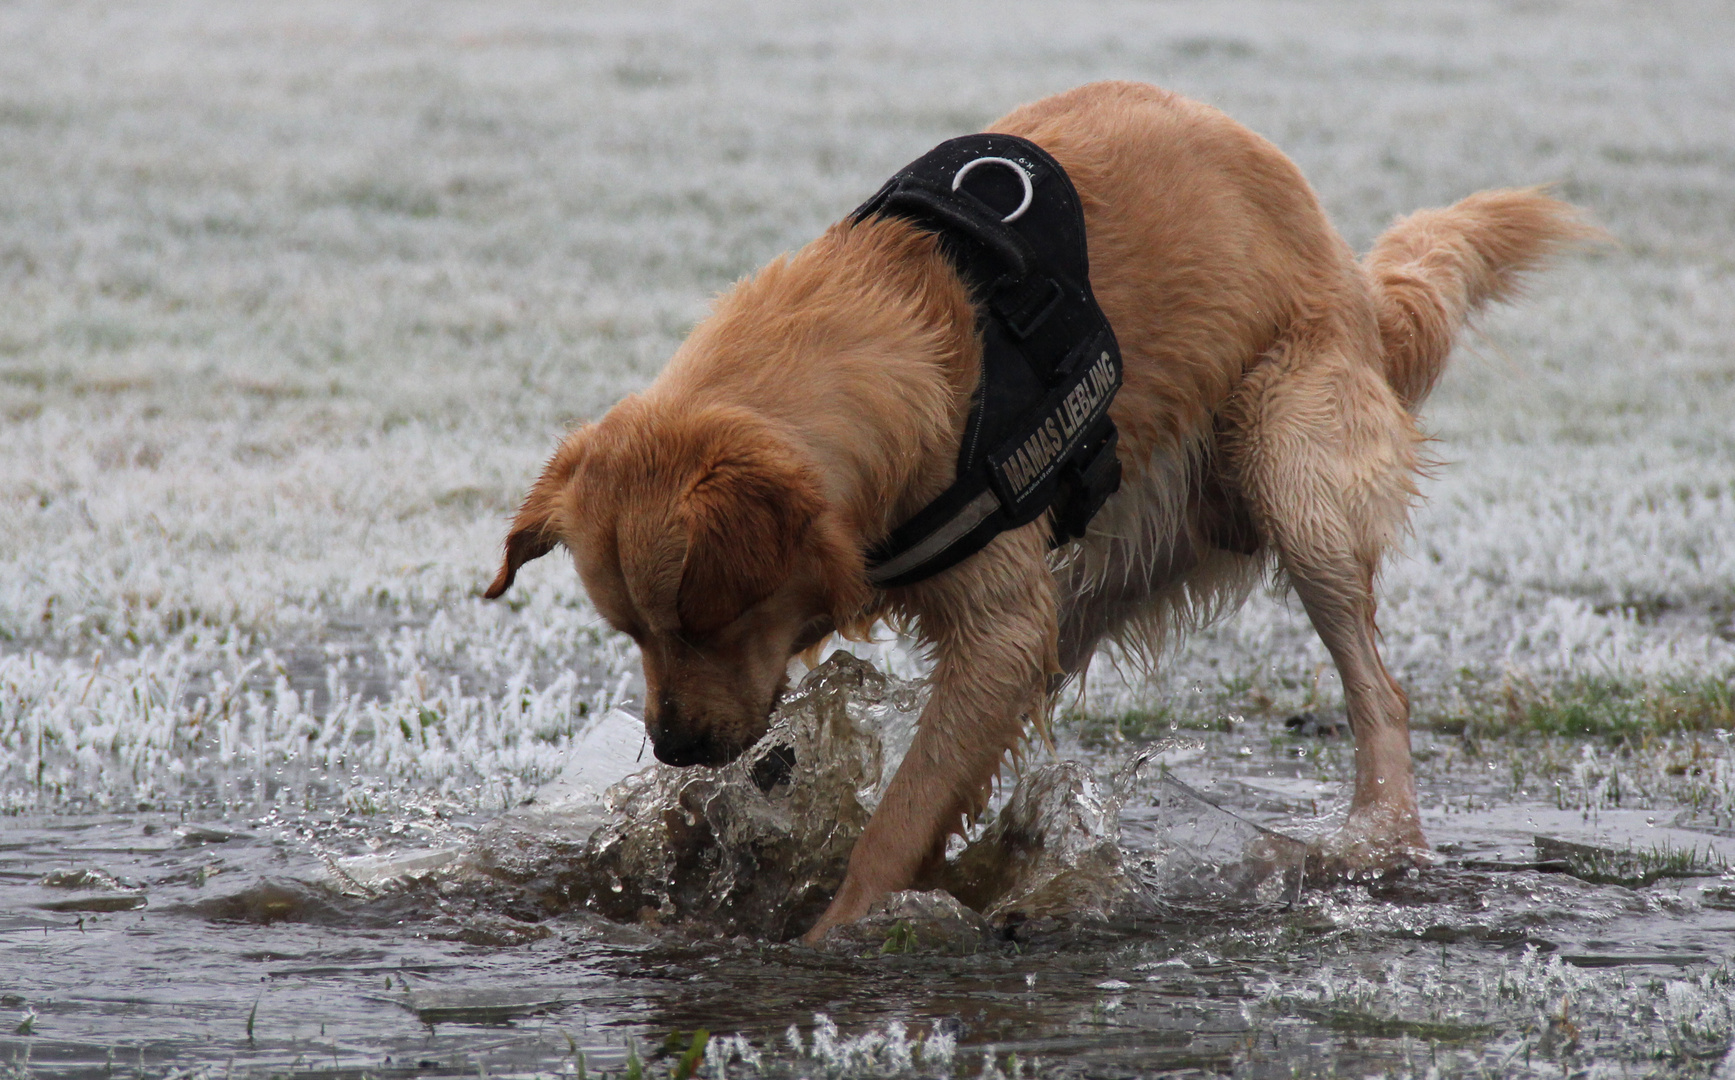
1039, 433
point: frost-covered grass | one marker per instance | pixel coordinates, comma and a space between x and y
294, 301
885, 1051
1535, 1016
133, 731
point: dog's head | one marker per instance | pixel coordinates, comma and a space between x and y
703, 535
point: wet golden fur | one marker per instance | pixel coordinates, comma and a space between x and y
720, 516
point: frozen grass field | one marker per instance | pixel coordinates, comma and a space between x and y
295, 300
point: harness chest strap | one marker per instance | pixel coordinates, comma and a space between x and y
1038, 436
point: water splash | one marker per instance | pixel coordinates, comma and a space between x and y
759, 846
1066, 846
1053, 851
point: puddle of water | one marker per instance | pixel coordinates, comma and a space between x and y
1136, 911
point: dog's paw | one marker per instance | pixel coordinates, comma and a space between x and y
850, 905
909, 922
1370, 844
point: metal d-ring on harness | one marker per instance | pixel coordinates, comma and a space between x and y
1023, 177
1039, 434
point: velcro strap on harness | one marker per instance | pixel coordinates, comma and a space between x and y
1038, 436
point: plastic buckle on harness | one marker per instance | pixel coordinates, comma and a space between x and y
1086, 488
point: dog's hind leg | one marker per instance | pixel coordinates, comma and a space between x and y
1325, 454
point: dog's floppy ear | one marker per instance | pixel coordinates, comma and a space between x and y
533, 534
745, 514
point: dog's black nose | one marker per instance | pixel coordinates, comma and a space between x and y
682, 749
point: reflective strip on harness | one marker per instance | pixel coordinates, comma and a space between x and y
931, 545
1038, 437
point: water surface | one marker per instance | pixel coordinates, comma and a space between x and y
351, 940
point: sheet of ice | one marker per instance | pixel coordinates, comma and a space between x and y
568, 807
1509, 833
610, 749
1192, 853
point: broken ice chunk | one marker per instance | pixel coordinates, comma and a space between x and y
540, 837
610, 749
1054, 850
366, 874
1194, 854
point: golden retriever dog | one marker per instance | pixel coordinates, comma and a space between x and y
1267, 422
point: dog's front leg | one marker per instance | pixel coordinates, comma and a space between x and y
991, 624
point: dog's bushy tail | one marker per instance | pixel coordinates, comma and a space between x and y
1432, 270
